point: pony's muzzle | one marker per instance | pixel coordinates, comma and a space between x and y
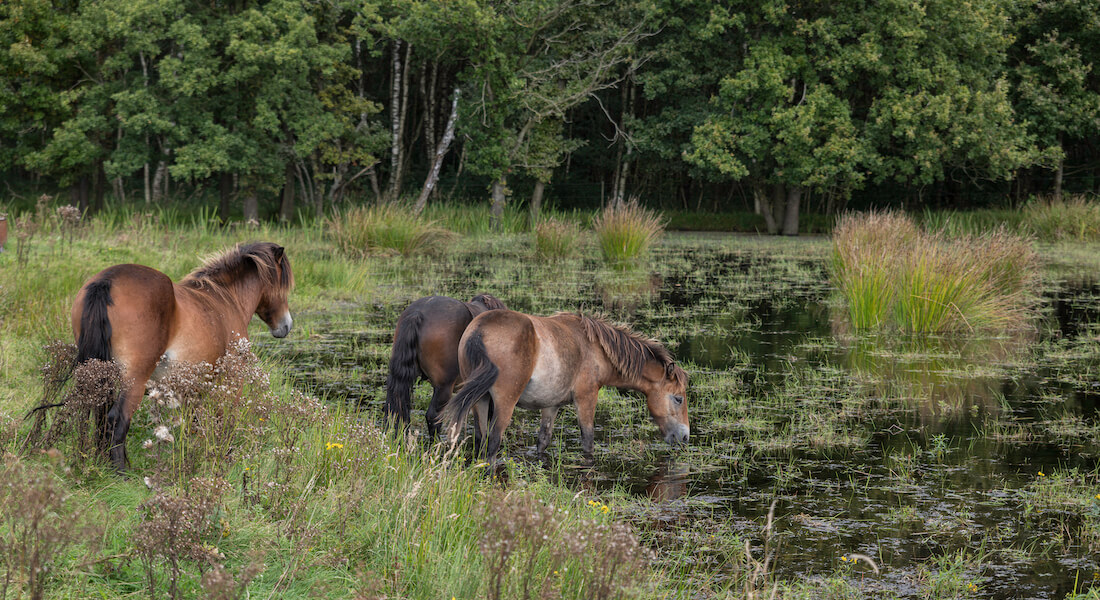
283, 328
678, 434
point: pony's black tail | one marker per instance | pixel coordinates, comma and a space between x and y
95, 330
404, 369
94, 342
480, 381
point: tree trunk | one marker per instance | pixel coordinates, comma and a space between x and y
1060, 172
437, 159
395, 118
79, 194
778, 205
790, 219
98, 187
497, 211
225, 194
286, 210
536, 202
251, 207
158, 182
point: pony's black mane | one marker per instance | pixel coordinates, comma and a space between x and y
268, 260
628, 351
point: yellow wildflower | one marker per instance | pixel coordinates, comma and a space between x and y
1042, 474
331, 445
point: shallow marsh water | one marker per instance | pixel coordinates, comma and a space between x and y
964, 466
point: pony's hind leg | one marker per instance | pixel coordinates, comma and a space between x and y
546, 427
120, 415
440, 397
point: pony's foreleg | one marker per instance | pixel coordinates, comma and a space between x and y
586, 418
546, 427
440, 397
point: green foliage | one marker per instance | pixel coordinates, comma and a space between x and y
892, 275
626, 231
385, 228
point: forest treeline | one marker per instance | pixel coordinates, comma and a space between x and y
779, 106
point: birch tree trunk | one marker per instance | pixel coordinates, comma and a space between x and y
536, 202
1060, 173
497, 211
395, 119
440, 154
251, 207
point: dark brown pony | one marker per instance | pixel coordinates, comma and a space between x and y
543, 363
136, 316
425, 344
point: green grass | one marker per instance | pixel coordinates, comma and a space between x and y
893, 275
626, 232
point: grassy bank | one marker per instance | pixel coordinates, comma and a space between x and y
265, 491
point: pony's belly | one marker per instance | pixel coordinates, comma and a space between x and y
540, 394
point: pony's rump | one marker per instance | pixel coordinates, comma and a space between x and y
483, 375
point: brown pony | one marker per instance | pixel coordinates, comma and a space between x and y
136, 316
543, 363
425, 344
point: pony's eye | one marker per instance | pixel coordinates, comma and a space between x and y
678, 399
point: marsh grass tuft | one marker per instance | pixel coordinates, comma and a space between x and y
626, 231
385, 228
893, 275
557, 239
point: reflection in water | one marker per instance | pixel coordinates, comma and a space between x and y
669, 483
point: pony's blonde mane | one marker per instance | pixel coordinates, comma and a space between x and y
218, 273
628, 351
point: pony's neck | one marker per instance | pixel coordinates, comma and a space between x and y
242, 301
641, 383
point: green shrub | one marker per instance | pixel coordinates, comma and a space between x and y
892, 274
385, 228
556, 239
626, 232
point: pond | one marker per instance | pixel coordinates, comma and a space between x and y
961, 461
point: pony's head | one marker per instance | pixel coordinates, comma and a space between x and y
646, 366
489, 302
666, 397
276, 280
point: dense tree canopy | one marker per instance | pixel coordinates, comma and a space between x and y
277, 105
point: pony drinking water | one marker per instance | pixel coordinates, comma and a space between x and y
139, 318
543, 363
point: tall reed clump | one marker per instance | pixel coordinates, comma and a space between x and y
556, 239
385, 228
626, 231
893, 275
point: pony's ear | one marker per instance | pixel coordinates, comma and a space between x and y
278, 251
